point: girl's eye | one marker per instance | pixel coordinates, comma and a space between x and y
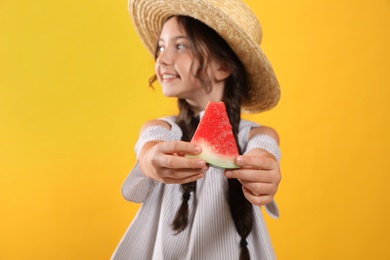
161, 49
180, 46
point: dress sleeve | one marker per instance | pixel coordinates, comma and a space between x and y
265, 142
269, 144
137, 186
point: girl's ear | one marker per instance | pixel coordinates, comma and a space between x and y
222, 71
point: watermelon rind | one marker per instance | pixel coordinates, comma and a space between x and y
214, 159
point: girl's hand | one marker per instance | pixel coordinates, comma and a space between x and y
259, 175
165, 162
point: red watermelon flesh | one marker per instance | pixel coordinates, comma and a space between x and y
214, 134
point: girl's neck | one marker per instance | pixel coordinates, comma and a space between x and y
199, 105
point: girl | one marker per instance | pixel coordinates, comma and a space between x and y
205, 51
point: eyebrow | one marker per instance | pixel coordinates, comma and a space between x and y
175, 38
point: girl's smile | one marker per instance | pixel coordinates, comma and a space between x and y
168, 77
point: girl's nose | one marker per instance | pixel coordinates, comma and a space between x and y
165, 57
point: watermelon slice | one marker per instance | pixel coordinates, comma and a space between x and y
214, 134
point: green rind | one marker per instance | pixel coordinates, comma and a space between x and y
219, 163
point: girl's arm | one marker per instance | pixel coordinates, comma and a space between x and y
155, 135
259, 173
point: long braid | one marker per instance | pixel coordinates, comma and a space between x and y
240, 208
188, 123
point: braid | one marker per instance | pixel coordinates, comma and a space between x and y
181, 219
241, 210
240, 207
188, 123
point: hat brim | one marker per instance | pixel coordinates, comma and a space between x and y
148, 17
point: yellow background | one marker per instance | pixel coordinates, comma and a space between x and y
73, 95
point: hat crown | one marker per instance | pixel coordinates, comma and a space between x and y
239, 14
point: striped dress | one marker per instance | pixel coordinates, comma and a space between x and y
210, 233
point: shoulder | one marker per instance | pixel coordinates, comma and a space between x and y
264, 130
155, 122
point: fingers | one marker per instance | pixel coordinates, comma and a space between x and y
178, 176
262, 162
259, 175
252, 175
195, 177
179, 147
260, 189
165, 150
178, 162
170, 166
249, 175
176, 169
256, 169
257, 199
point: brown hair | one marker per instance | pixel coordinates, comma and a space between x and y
207, 45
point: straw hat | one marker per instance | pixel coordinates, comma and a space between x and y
234, 21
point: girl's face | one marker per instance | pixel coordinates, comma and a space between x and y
174, 69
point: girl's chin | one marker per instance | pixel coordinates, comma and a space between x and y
169, 93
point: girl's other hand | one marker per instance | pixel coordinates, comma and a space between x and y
165, 162
259, 175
